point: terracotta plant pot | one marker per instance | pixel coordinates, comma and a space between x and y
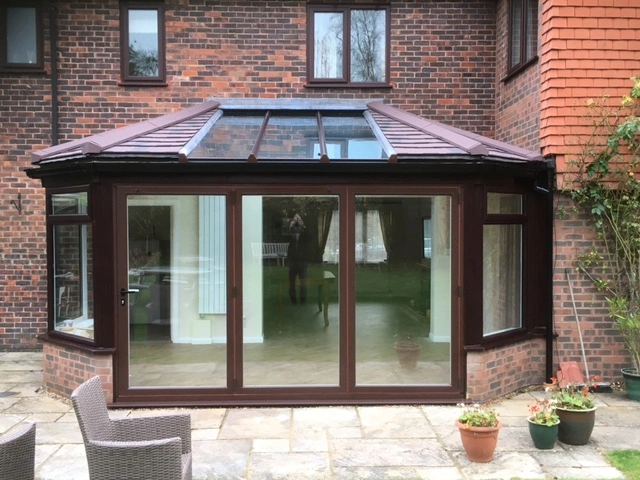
576, 425
479, 442
543, 436
408, 354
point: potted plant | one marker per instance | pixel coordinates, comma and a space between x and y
479, 427
408, 351
628, 321
576, 409
544, 423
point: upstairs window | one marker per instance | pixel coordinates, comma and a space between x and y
142, 43
21, 36
348, 45
523, 36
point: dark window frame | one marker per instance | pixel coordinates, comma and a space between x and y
38, 65
137, 80
53, 220
345, 82
524, 25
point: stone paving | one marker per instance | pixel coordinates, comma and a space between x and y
337, 443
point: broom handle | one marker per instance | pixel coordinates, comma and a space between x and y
575, 312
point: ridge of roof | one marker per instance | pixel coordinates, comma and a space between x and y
102, 141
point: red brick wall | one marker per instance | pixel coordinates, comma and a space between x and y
502, 370
225, 49
518, 97
65, 367
605, 352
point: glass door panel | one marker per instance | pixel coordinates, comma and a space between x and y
177, 291
290, 271
403, 290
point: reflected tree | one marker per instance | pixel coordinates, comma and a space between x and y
367, 45
142, 63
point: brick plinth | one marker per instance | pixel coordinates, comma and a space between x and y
503, 370
66, 367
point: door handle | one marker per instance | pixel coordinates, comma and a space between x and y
124, 293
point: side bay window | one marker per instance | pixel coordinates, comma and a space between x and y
72, 264
348, 45
142, 40
502, 269
21, 36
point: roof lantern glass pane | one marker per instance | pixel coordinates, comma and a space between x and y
289, 138
231, 137
350, 138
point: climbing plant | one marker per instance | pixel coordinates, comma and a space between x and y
607, 188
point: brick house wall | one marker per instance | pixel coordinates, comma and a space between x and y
213, 49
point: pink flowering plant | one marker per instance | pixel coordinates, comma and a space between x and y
477, 415
543, 412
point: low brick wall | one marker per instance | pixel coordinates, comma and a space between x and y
65, 367
499, 371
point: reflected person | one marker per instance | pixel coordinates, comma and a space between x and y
297, 257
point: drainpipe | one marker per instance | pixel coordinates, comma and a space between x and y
547, 190
53, 33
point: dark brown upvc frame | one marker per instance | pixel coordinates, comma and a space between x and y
347, 391
65, 219
344, 82
38, 66
523, 21
126, 77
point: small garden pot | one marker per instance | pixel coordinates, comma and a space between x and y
544, 437
479, 442
408, 354
632, 381
576, 425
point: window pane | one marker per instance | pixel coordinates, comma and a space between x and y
403, 300
69, 203
143, 43
178, 276
516, 32
354, 136
328, 45
289, 137
22, 44
502, 278
73, 279
368, 44
290, 297
504, 203
532, 29
232, 137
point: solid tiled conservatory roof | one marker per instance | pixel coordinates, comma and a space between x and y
275, 130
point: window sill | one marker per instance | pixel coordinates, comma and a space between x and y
518, 70
347, 85
143, 83
39, 70
498, 341
74, 342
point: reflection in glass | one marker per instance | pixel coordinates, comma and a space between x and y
73, 280
328, 47
504, 203
231, 137
22, 47
368, 45
289, 137
69, 203
351, 138
502, 278
143, 43
403, 299
178, 305
290, 297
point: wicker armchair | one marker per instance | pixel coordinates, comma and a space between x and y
140, 448
18, 453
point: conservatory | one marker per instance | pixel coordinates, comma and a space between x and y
248, 251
